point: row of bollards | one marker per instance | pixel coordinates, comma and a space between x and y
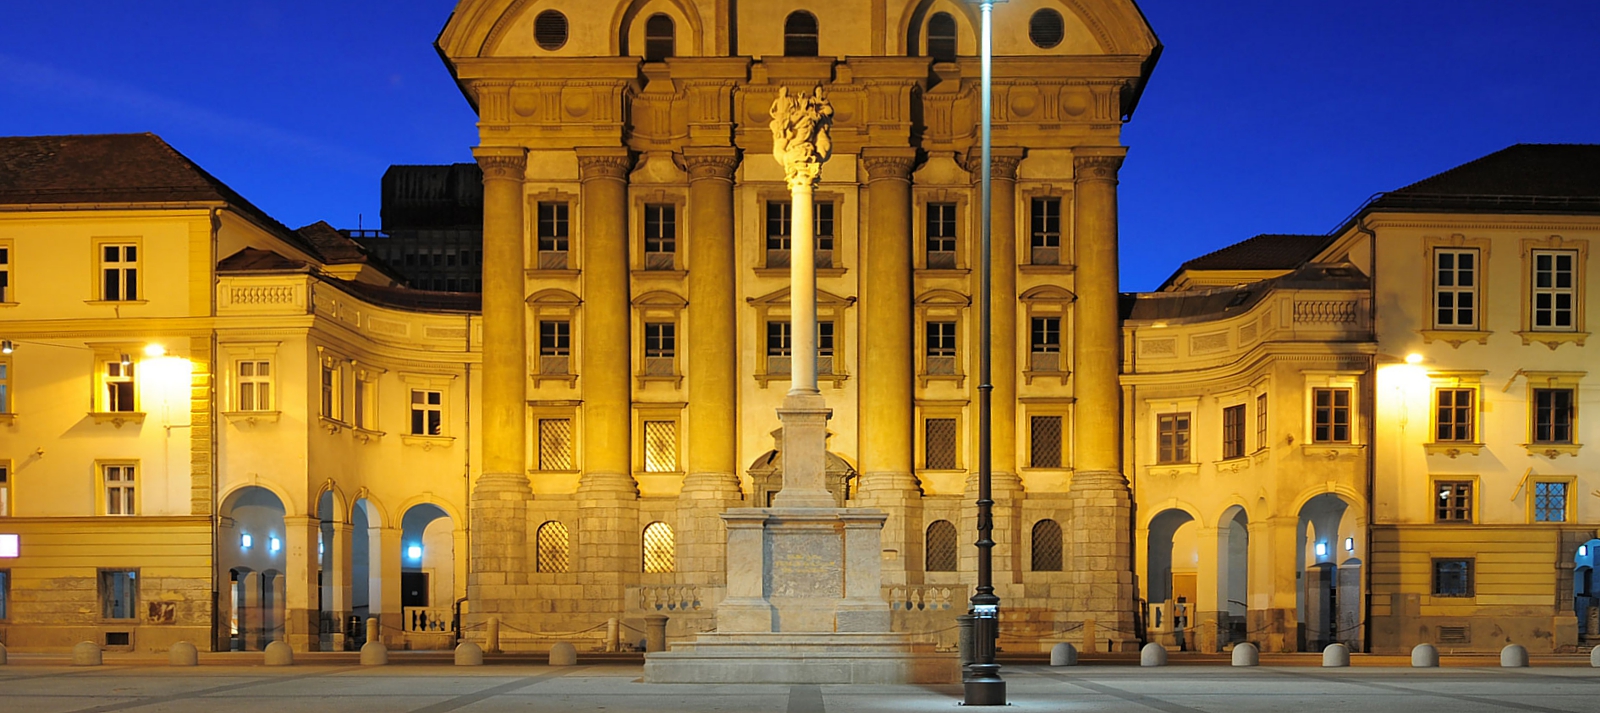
1334, 656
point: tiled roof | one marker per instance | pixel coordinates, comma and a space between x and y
337, 248
1221, 302
258, 260
1262, 252
251, 260
1521, 178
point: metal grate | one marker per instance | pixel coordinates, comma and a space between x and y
1455, 635
658, 261
1045, 442
660, 446
553, 364
941, 546
1046, 28
553, 544
658, 366
944, 365
1046, 546
555, 444
660, 554
779, 365
824, 365
550, 30
941, 260
939, 448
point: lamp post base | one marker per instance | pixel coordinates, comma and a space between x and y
983, 686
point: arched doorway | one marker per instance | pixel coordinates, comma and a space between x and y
1173, 561
427, 577
250, 558
1328, 595
1586, 592
1233, 576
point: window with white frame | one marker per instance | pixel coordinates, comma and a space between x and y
1172, 438
119, 272
1455, 288
1555, 290
118, 386
255, 385
118, 482
427, 412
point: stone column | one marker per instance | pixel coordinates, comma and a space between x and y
383, 582
1208, 611
886, 415
711, 484
804, 412
1099, 496
336, 555
500, 496
301, 614
608, 546
250, 623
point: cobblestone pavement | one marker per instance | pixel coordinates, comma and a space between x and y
439, 688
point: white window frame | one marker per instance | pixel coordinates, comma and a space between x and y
254, 391
116, 372
129, 290
1455, 290
432, 404
7, 501
1553, 292
119, 495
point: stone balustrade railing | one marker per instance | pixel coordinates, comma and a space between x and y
426, 620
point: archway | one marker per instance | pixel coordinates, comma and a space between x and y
1328, 595
1586, 592
1173, 560
427, 576
250, 558
1233, 576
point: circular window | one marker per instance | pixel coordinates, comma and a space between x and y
1046, 28
550, 30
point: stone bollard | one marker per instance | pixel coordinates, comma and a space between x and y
1424, 656
655, 633
613, 635
374, 653
183, 653
1336, 656
964, 640
1513, 656
279, 654
1246, 655
1594, 657
491, 635
1153, 654
86, 653
563, 654
469, 654
1088, 636
2, 654
1063, 654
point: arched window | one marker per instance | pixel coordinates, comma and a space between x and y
941, 546
1046, 546
800, 34
942, 37
551, 548
660, 554
658, 38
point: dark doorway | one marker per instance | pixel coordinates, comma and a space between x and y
413, 589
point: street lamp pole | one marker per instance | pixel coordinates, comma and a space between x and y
983, 685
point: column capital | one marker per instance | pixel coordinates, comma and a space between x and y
1003, 163
888, 164
711, 163
1096, 167
612, 163
502, 163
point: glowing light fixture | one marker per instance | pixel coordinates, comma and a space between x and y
155, 350
1583, 550
1413, 358
9, 546
1322, 549
1349, 544
414, 552
6, 347
274, 544
126, 360
245, 541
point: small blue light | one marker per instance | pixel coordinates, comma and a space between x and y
274, 544
245, 541
1322, 549
414, 552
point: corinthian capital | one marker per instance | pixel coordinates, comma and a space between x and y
711, 163
1096, 168
894, 165
603, 163
1002, 164
502, 164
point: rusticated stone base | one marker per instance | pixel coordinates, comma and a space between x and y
838, 657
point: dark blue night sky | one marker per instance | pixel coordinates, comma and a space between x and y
1263, 115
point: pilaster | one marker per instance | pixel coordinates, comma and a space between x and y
301, 628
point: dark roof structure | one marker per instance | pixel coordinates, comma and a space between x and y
1262, 252
1221, 302
1525, 178
257, 261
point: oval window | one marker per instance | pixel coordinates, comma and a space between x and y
550, 30
1046, 28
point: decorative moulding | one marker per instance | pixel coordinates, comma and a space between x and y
1553, 450
428, 443
1453, 337
117, 418
251, 418
1452, 449
1553, 339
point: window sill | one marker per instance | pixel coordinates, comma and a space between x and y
1047, 269
833, 380
1172, 469
330, 425
8, 419
1553, 450
784, 271
924, 379
1029, 376
1553, 339
1452, 449
117, 418
1331, 451
427, 442
570, 379
251, 418
1454, 337
675, 379
663, 274
7, 304
116, 303
365, 435
942, 272
1233, 465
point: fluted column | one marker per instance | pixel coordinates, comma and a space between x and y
888, 428
608, 537
711, 484
1101, 503
500, 496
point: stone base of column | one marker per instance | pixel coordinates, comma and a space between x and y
805, 453
899, 495
701, 538
500, 527
301, 629
609, 544
1101, 558
1006, 490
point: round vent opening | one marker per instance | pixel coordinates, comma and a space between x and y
550, 30
1046, 28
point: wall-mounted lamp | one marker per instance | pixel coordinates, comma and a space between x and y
1349, 544
126, 360
414, 552
245, 541
1322, 549
10, 546
6, 347
1413, 358
155, 350
274, 544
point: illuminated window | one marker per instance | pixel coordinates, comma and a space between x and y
1045, 216
1453, 577
1453, 501
941, 236
660, 554
1553, 415
119, 272
660, 236
427, 412
551, 550
659, 42
555, 444
1455, 288
1453, 417
119, 594
1550, 502
1044, 442
942, 37
1172, 438
1261, 421
118, 481
1330, 415
660, 446
552, 235
1555, 290
1233, 432
941, 547
1045, 343
5, 490
119, 387
555, 346
255, 385
800, 34
1047, 546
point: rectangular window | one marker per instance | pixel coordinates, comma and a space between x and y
1549, 502
941, 230
941, 347
1552, 415
1045, 343
1261, 421
1555, 290
552, 235
1454, 501
119, 386
1330, 415
824, 347
822, 218
331, 403
660, 235
1453, 577
5, 273
1172, 438
1045, 217
660, 346
1455, 289
1044, 442
779, 239
555, 444
1453, 417
780, 347
255, 385
366, 415
555, 346
939, 443
119, 489
427, 412
5, 490
5, 386
1233, 432
119, 272
660, 446
5, 594
119, 594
